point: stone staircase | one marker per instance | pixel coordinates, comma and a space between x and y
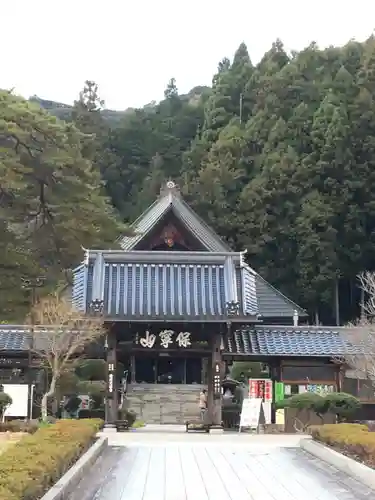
164, 403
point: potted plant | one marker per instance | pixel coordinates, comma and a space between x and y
126, 417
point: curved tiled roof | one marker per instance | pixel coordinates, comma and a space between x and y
14, 338
291, 341
304, 341
128, 300
171, 200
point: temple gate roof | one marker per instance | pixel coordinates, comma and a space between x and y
195, 282
170, 200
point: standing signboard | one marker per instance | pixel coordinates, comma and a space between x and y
252, 414
19, 394
262, 388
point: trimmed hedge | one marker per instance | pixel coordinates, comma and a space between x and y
353, 440
19, 426
31, 466
94, 413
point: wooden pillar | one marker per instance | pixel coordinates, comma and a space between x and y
112, 392
210, 395
184, 376
132, 369
339, 377
215, 375
204, 379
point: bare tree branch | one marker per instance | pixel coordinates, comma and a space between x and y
361, 336
367, 281
60, 337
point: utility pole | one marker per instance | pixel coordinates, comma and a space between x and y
241, 105
31, 285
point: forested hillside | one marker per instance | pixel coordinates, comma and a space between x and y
279, 157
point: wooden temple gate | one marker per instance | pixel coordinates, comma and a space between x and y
175, 290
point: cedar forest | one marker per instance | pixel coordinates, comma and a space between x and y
279, 157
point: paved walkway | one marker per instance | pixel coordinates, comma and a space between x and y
176, 467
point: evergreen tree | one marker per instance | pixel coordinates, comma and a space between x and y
279, 157
51, 202
214, 192
86, 115
268, 208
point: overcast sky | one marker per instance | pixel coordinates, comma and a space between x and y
131, 48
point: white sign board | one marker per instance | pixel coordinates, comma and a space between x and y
263, 389
267, 408
252, 413
19, 394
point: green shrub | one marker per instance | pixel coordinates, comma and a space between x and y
138, 424
124, 413
92, 387
19, 426
304, 401
32, 465
339, 403
342, 404
93, 413
307, 401
336, 431
129, 415
5, 401
92, 369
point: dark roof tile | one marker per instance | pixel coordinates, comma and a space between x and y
172, 200
291, 341
170, 290
14, 338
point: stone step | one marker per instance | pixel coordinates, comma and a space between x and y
164, 403
157, 388
163, 393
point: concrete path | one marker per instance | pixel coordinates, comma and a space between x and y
148, 466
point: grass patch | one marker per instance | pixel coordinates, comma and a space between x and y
138, 424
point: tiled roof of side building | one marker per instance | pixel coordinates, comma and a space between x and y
14, 338
303, 341
19, 338
292, 341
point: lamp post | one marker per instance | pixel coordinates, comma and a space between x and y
31, 285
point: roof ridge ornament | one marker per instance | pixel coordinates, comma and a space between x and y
243, 258
170, 187
86, 256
